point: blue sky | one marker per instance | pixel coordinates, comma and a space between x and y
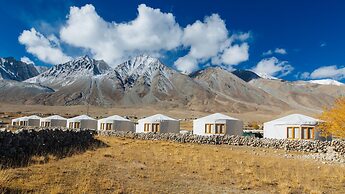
307, 35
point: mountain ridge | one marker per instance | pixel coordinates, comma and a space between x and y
12, 69
145, 81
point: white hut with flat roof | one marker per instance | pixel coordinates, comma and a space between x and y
158, 124
116, 123
294, 126
53, 121
217, 124
32, 120
82, 122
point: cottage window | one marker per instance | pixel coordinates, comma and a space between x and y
220, 129
297, 133
155, 127
109, 126
76, 125
293, 133
102, 126
290, 133
311, 132
146, 127
46, 124
208, 128
308, 132
70, 125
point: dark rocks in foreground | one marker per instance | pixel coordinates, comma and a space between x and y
17, 148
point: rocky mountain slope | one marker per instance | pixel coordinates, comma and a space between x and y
11, 69
21, 92
229, 87
300, 95
145, 81
139, 81
67, 73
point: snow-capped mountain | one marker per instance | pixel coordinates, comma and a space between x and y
11, 69
140, 80
141, 67
266, 76
67, 73
144, 80
326, 82
41, 69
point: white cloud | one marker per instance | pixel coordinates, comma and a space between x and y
210, 40
305, 75
277, 51
151, 31
45, 49
186, 64
273, 67
205, 38
323, 44
269, 52
280, 51
26, 60
236, 54
328, 72
241, 36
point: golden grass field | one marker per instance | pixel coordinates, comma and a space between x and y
138, 166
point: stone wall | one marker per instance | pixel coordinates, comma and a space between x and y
16, 148
291, 145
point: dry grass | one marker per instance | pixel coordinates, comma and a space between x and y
135, 166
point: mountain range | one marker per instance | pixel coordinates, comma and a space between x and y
145, 81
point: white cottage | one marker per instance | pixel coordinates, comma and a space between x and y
82, 122
294, 126
53, 121
32, 120
217, 124
158, 123
116, 123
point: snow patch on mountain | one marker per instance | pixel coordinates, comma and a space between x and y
141, 67
266, 76
67, 73
41, 69
327, 82
12, 69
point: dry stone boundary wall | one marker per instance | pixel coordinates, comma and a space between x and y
291, 145
16, 148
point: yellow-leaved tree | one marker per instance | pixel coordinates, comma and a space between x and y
334, 119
